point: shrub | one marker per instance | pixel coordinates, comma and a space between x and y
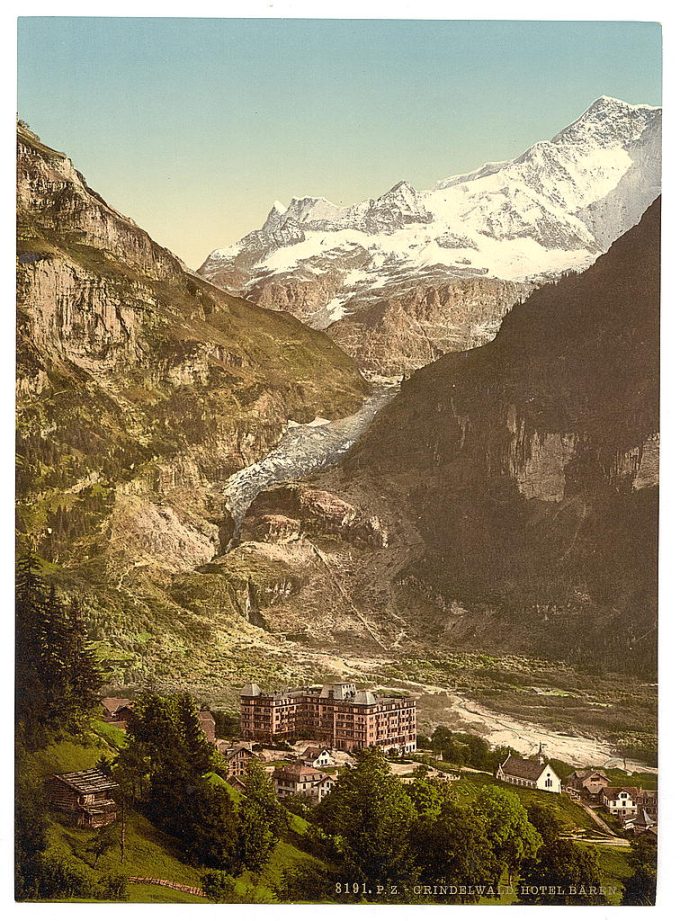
114, 888
219, 886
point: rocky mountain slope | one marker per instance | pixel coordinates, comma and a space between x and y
506, 500
402, 279
141, 389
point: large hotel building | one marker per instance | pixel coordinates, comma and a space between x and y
336, 714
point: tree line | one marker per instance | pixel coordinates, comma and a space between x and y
57, 675
384, 840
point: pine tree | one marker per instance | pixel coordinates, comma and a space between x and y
261, 819
198, 749
82, 670
56, 673
31, 693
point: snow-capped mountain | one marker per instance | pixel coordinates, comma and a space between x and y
400, 279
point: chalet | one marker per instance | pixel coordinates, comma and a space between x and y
640, 823
117, 710
207, 721
529, 772
298, 778
620, 801
237, 784
315, 756
237, 757
84, 795
586, 783
649, 801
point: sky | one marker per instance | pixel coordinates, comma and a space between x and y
194, 127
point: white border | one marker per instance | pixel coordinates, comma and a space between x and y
670, 528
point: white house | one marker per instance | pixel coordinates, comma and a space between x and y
620, 801
317, 756
529, 772
301, 780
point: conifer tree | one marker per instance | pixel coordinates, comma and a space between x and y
198, 749
56, 673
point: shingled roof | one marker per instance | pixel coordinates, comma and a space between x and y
521, 767
112, 704
613, 792
86, 782
298, 772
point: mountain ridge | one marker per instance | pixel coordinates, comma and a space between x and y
365, 271
140, 389
504, 503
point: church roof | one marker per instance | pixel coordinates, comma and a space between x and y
522, 767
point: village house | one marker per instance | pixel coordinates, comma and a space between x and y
86, 796
300, 779
237, 757
640, 823
649, 801
207, 721
315, 756
619, 801
237, 783
338, 715
117, 710
535, 773
586, 783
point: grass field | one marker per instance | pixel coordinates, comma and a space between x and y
151, 853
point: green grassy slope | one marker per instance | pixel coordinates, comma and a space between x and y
149, 852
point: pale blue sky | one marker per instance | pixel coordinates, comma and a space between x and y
194, 126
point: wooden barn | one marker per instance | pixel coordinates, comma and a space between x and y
84, 795
117, 710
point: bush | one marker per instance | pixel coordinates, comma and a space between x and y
114, 888
219, 886
308, 883
58, 878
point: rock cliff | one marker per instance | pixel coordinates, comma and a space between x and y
141, 389
514, 487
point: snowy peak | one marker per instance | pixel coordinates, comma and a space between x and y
310, 210
399, 206
608, 123
556, 207
402, 191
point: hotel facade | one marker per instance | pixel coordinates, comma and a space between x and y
337, 714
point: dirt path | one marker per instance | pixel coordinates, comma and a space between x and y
167, 884
599, 821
